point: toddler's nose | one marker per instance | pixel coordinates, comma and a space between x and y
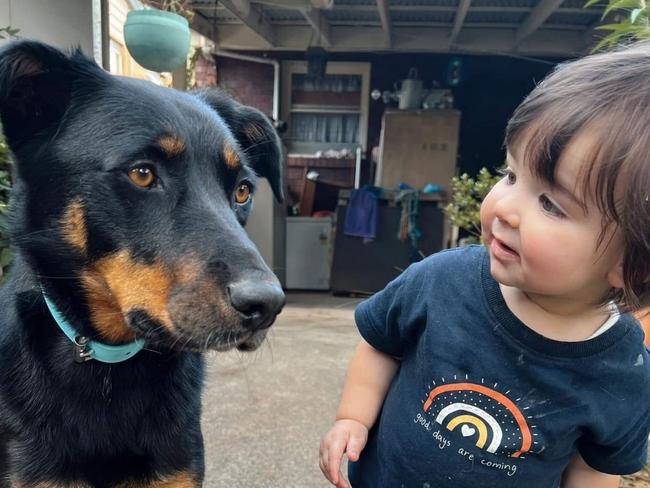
507, 211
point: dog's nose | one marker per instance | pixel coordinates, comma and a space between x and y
258, 302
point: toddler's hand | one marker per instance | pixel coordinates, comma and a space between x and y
347, 436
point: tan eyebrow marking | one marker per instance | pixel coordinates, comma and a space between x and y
231, 158
254, 133
74, 226
171, 145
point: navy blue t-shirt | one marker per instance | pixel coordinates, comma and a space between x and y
481, 400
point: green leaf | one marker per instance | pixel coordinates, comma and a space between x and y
635, 13
623, 27
591, 3
621, 4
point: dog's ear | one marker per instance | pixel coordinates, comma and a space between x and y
35, 89
254, 133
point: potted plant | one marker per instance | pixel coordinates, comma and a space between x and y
463, 210
158, 38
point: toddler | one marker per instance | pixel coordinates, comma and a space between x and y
517, 363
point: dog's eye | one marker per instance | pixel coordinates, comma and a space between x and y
142, 176
243, 193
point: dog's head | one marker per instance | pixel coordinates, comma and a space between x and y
130, 199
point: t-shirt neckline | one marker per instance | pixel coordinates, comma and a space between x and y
533, 340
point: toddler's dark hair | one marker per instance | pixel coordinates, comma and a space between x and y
607, 94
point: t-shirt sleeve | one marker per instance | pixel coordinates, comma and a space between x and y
626, 452
628, 456
393, 318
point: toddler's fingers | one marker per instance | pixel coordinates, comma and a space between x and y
356, 443
343, 483
355, 446
322, 462
334, 457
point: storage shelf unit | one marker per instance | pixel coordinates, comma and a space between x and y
344, 91
324, 115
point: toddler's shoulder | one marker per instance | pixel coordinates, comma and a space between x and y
633, 356
455, 261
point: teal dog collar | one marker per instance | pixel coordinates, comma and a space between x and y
85, 349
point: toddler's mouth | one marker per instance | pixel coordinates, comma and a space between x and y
501, 250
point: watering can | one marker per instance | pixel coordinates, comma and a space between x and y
410, 91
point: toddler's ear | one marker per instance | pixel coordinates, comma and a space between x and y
615, 276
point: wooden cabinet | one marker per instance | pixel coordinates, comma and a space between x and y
418, 147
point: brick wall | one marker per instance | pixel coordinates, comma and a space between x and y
248, 82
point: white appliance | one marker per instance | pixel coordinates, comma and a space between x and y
309, 253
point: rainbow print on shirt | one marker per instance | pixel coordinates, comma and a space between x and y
483, 414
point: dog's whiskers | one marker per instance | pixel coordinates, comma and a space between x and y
258, 143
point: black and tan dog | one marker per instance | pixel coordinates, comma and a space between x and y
131, 260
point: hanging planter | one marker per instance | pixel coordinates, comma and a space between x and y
157, 40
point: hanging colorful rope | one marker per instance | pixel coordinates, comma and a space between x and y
409, 200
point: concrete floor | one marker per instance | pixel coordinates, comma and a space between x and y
265, 412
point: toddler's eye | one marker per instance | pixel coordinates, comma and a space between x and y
549, 207
509, 175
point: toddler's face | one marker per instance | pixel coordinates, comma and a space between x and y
543, 239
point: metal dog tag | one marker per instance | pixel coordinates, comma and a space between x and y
81, 351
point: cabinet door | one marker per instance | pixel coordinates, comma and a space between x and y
309, 248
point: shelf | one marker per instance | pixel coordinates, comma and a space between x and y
300, 97
326, 109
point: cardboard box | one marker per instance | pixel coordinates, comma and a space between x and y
418, 147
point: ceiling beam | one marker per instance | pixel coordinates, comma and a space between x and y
410, 8
384, 15
535, 19
459, 19
404, 23
411, 39
319, 24
252, 17
204, 27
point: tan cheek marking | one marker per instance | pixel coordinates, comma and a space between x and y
180, 480
137, 286
231, 158
117, 285
105, 312
74, 226
171, 145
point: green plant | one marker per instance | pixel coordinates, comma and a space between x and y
5, 183
633, 21
467, 193
8, 32
190, 70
